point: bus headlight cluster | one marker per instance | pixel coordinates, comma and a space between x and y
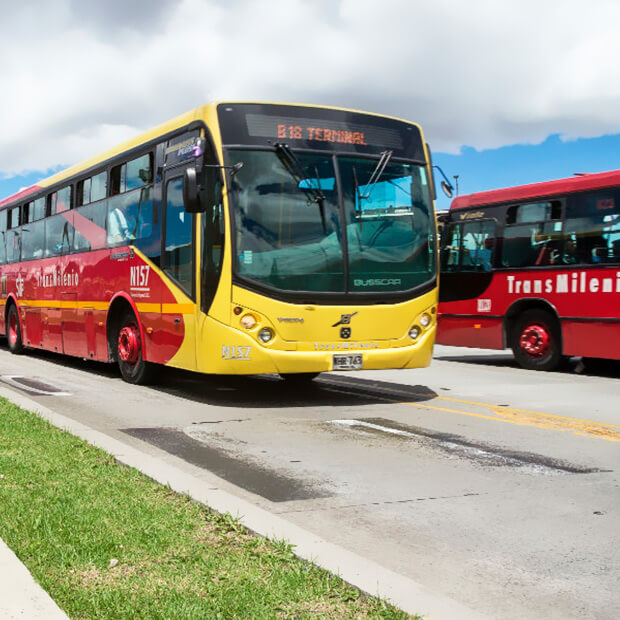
248, 321
424, 321
414, 332
265, 334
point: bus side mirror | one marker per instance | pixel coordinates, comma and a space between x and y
191, 195
447, 189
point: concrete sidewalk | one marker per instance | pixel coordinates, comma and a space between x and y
21, 597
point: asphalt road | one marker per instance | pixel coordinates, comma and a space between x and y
492, 485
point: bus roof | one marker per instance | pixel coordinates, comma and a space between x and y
576, 183
177, 122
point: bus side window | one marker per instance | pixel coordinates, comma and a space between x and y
178, 248
13, 236
593, 221
452, 247
3, 219
469, 247
58, 235
130, 209
212, 239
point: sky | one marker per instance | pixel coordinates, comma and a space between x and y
507, 92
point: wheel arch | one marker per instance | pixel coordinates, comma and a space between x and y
120, 304
522, 305
11, 300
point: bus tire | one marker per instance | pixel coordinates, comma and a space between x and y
134, 369
536, 340
14, 331
299, 378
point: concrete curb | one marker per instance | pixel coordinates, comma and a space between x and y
364, 574
21, 597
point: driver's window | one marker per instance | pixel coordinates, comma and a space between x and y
179, 251
469, 246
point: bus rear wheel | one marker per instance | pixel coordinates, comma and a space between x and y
14, 331
535, 341
134, 369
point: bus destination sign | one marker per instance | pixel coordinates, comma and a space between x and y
307, 129
318, 128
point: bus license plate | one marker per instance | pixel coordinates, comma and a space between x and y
347, 362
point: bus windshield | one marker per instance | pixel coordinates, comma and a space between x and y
290, 224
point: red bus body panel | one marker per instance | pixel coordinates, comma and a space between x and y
63, 303
586, 298
587, 301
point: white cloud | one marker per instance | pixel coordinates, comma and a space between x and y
75, 78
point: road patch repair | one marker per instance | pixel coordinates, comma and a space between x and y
258, 479
366, 575
476, 452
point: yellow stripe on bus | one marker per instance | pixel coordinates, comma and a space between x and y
177, 308
145, 307
104, 305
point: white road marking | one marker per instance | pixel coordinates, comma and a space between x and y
472, 451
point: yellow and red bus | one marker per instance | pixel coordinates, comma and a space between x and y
238, 238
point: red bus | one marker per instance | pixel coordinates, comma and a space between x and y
535, 268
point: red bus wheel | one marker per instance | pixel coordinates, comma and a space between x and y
536, 340
14, 332
129, 352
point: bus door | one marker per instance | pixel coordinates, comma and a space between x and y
467, 261
178, 263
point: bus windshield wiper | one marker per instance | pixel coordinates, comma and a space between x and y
295, 168
376, 173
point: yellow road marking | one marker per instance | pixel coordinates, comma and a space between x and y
522, 417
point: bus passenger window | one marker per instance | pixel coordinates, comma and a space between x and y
132, 175
98, 187
38, 209
13, 246
469, 247
58, 235
13, 218
138, 173
33, 240
118, 179
63, 199
92, 189
3, 220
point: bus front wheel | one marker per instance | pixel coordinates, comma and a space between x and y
133, 367
536, 340
14, 331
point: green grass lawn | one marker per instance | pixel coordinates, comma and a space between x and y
107, 542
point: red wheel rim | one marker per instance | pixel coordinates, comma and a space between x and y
535, 340
129, 344
12, 328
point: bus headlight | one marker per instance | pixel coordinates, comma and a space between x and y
248, 321
414, 332
425, 320
265, 334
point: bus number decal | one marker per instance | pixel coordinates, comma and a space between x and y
484, 305
19, 286
232, 352
139, 276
